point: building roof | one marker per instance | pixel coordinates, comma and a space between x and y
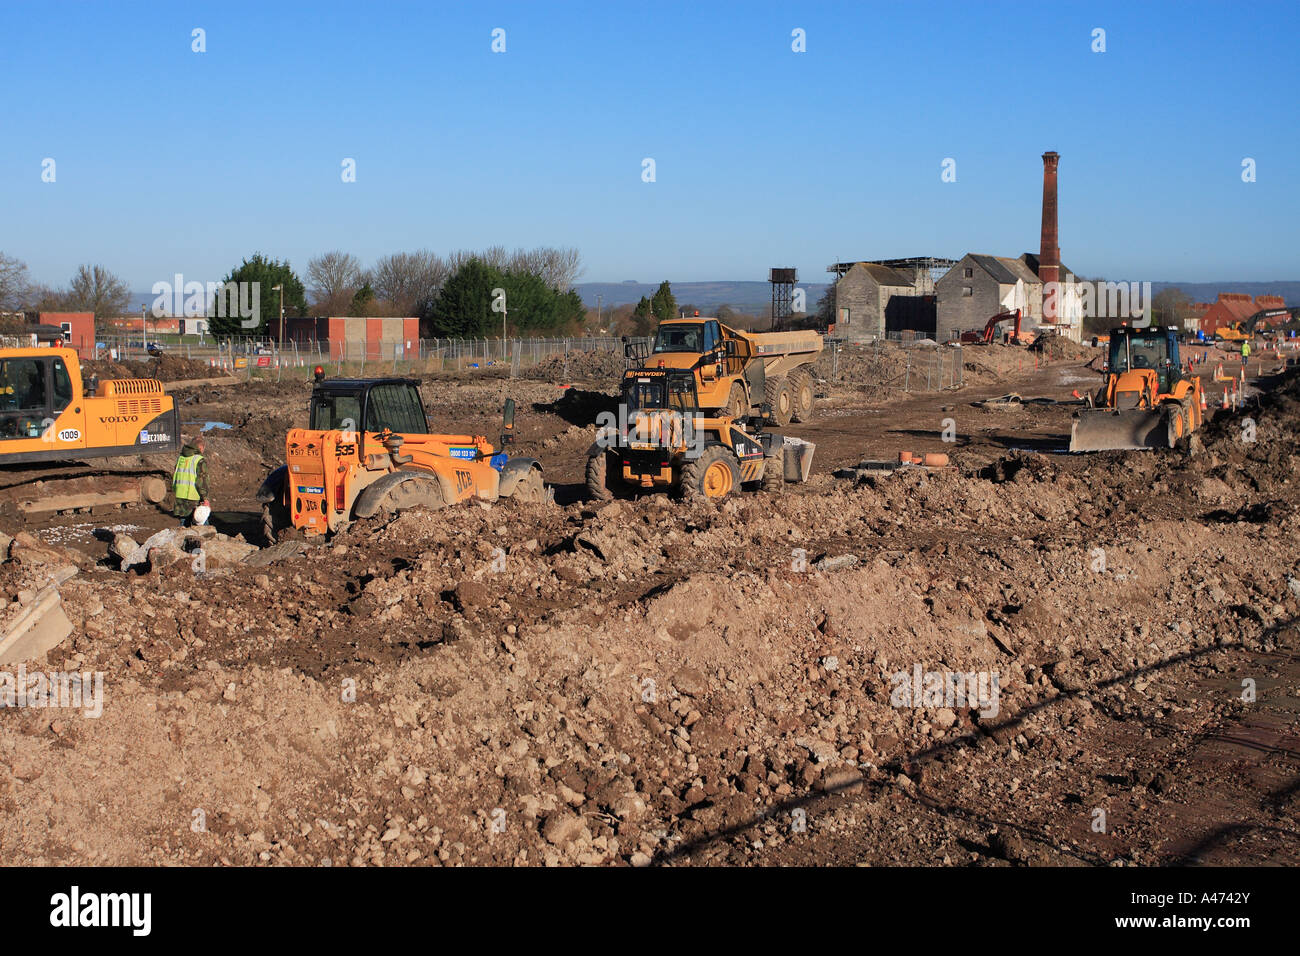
1031, 261
1004, 271
883, 275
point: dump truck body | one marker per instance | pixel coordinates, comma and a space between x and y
1147, 400
740, 372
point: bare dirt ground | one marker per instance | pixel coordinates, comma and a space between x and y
653, 681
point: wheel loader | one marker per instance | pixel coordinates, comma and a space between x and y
664, 442
736, 373
1147, 401
368, 450
49, 418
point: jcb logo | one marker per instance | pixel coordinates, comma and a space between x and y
463, 481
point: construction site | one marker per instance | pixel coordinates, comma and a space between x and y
883, 623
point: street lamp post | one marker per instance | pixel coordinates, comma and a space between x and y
280, 289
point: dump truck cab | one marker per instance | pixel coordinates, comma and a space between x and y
368, 449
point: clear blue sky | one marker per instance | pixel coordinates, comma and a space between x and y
173, 161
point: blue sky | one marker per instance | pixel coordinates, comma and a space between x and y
173, 161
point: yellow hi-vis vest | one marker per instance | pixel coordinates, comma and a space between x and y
184, 481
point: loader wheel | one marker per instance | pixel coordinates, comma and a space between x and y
714, 474
774, 472
418, 491
804, 399
530, 487
737, 403
780, 396
598, 488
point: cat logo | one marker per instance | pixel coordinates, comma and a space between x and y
464, 481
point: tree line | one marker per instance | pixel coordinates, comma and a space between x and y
466, 293
92, 288
455, 295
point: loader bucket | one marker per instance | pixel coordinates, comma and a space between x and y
798, 458
1104, 429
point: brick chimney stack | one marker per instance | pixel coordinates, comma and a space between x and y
1049, 254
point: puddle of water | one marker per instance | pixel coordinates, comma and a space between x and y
209, 426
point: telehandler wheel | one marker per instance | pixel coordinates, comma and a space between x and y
804, 399
598, 468
275, 518
780, 397
715, 474
774, 472
530, 487
737, 403
417, 491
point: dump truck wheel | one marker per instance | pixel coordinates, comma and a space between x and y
774, 472
780, 397
804, 399
715, 474
737, 403
598, 488
530, 487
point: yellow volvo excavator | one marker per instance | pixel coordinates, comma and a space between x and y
50, 418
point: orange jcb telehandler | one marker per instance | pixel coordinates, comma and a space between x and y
368, 449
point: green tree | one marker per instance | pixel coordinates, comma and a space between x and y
664, 304
643, 317
464, 307
362, 301
266, 273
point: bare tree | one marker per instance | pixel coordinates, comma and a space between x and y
14, 284
334, 278
408, 280
560, 267
95, 289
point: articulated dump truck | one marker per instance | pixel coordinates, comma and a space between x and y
737, 373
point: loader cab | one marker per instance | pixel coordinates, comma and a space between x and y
654, 389
369, 405
1152, 349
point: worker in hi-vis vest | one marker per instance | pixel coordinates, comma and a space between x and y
190, 480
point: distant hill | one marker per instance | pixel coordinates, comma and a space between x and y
752, 297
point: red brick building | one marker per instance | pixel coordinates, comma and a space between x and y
1232, 308
78, 330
